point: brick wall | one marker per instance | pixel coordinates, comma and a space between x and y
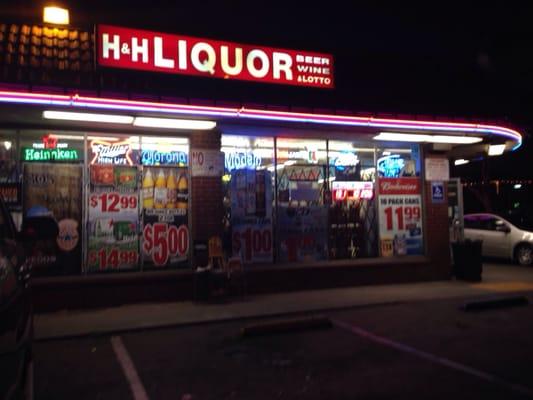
437, 232
207, 210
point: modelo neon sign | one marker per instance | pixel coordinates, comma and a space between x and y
241, 160
160, 52
155, 157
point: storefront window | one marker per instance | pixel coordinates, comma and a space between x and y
113, 203
52, 175
10, 187
302, 179
352, 217
248, 184
165, 205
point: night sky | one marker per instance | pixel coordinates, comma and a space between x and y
444, 59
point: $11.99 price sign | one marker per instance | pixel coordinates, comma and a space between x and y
253, 242
162, 241
400, 214
112, 258
112, 202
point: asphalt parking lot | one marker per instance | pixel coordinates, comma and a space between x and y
425, 349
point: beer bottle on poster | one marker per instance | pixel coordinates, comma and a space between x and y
148, 190
171, 190
183, 191
160, 191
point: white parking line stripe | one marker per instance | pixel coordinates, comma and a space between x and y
433, 358
136, 386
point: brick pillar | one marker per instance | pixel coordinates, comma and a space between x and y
207, 209
437, 232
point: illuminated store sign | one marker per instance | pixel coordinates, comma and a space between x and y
352, 190
49, 149
30, 154
156, 157
176, 54
345, 159
390, 166
116, 153
241, 160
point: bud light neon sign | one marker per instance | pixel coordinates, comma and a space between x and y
390, 166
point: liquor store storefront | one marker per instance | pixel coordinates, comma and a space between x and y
139, 182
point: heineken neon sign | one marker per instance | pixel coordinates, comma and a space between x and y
30, 154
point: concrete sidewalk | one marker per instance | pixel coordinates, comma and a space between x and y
497, 279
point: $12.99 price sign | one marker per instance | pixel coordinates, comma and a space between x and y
253, 242
162, 241
112, 202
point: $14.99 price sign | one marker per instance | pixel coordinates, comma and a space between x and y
113, 203
254, 242
162, 241
112, 258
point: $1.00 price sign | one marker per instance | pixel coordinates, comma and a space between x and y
254, 242
112, 202
112, 258
162, 241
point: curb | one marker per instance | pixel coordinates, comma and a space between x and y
500, 302
138, 329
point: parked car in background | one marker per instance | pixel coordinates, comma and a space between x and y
501, 238
16, 313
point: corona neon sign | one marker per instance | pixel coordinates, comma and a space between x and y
156, 157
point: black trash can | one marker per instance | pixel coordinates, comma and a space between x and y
202, 284
467, 263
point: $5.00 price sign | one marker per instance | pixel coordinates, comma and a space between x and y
112, 202
112, 258
253, 242
162, 241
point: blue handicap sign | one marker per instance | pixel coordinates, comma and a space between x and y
437, 192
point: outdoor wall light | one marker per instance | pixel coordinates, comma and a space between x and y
88, 117
496, 149
461, 161
169, 123
7, 145
517, 186
56, 15
409, 137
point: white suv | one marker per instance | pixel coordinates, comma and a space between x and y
500, 238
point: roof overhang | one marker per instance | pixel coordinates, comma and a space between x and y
366, 126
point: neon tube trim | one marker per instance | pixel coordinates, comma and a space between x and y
81, 102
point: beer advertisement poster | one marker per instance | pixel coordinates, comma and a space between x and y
55, 190
113, 224
251, 210
400, 216
165, 209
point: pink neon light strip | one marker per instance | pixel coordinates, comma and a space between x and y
134, 105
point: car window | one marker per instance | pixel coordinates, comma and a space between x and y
483, 222
8, 281
472, 222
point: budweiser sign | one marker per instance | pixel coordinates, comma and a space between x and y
176, 54
399, 186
